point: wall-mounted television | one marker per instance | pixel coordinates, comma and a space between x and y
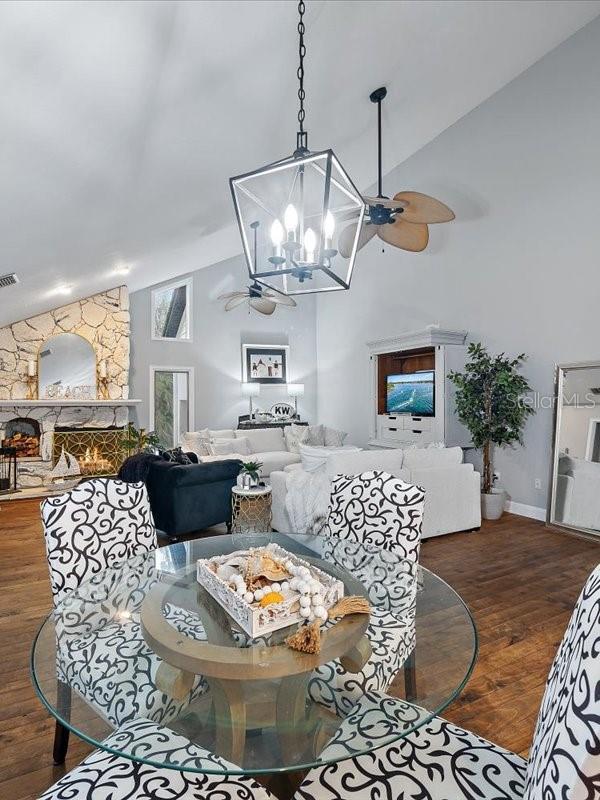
412, 393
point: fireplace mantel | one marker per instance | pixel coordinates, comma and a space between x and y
51, 403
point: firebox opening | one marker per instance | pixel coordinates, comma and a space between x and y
24, 434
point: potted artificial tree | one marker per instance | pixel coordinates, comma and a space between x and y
489, 401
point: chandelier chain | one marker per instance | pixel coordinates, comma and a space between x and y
300, 74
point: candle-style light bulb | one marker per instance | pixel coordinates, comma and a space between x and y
290, 220
277, 237
328, 227
310, 243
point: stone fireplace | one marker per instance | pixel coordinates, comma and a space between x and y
24, 435
90, 431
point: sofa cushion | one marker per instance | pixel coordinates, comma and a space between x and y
224, 433
223, 447
316, 435
332, 437
315, 458
351, 462
275, 461
433, 457
264, 440
196, 442
295, 435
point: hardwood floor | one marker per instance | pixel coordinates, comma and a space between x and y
519, 579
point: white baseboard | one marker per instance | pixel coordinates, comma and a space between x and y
523, 510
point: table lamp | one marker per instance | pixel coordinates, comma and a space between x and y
295, 390
251, 390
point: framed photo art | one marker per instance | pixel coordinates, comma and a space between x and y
265, 363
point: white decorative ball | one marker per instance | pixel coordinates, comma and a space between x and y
304, 572
249, 597
290, 566
315, 587
303, 587
311, 617
305, 612
304, 601
275, 587
285, 586
259, 594
319, 611
240, 589
294, 584
317, 600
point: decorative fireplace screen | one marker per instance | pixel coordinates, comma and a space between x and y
98, 451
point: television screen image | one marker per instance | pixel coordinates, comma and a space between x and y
411, 394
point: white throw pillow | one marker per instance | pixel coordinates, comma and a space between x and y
295, 435
333, 437
316, 435
225, 433
263, 440
315, 458
197, 442
223, 447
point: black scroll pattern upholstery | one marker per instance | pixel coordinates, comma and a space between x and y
564, 761
100, 523
390, 582
439, 761
105, 776
377, 509
98, 539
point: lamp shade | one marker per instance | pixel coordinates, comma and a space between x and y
295, 389
250, 389
291, 214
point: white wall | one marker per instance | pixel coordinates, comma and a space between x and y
520, 266
215, 352
575, 428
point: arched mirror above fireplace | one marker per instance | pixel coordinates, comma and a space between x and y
67, 368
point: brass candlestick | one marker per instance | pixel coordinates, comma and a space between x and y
31, 381
103, 388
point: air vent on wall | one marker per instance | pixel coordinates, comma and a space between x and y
8, 280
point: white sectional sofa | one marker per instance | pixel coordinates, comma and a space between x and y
452, 488
266, 445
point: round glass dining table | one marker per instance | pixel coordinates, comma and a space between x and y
141, 661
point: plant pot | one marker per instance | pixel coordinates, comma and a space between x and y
492, 505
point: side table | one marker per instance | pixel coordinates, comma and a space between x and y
251, 510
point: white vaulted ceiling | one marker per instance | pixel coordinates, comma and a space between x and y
121, 122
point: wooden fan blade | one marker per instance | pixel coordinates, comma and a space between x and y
420, 207
382, 201
347, 238
405, 235
281, 299
263, 305
235, 301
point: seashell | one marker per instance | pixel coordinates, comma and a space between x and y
226, 572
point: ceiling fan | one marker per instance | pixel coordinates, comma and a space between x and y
263, 300
401, 221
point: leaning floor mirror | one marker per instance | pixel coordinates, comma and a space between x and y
575, 499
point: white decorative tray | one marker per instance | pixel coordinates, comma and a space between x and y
311, 593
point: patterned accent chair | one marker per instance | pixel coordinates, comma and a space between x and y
104, 775
98, 535
440, 761
375, 532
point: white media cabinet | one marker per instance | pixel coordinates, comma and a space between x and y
437, 349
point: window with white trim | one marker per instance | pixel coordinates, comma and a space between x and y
172, 311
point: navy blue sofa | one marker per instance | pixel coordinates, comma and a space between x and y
186, 498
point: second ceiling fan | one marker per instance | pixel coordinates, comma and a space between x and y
401, 221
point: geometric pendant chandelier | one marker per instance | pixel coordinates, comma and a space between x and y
290, 212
